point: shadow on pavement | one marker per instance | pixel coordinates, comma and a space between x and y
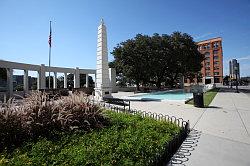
213, 107
183, 153
244, 90
228, 90
150, 99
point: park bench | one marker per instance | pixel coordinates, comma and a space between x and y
117, 101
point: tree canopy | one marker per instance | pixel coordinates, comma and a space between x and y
158, 58
3, 73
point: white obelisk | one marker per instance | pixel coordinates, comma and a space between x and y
102, 88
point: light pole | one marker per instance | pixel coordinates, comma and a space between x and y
236, 74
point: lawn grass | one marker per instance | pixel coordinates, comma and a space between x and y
207, 97
128, 140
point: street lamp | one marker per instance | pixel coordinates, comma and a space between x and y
236, 74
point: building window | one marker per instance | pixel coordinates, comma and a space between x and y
216, 63
216, 73
216, 57
216, 45
215, 52
208, 74
207, 54
216, 80
208, 46
207, 68
207, 63
207, 59
216, 68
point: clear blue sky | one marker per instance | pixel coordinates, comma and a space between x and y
24, 27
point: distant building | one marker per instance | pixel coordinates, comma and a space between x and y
212, 66
234, 69
212, 70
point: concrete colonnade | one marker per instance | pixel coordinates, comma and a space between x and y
41, 77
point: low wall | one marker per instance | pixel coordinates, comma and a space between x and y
126, 89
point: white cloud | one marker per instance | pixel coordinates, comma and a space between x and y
244, 58
203, 35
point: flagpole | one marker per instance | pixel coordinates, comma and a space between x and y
49, 50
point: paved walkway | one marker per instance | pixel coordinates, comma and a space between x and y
225, 132
223, 129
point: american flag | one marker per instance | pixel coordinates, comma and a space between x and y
50, 36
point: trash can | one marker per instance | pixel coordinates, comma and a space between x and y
198, 100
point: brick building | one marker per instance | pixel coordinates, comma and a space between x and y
212, 70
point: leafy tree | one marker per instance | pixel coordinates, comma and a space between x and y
70, 81
51, 81
91, 82
132, 58
3, 73
157, 59
60, 82
186, 59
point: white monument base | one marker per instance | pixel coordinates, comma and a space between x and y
102, 92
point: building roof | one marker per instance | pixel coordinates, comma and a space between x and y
209, 40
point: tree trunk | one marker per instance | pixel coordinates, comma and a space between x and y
158, 84
137, 86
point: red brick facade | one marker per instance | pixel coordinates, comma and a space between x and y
212, 70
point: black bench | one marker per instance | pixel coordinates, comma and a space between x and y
117, 101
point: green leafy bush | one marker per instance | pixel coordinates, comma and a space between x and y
127, 140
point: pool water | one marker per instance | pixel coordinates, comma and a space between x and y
166, 95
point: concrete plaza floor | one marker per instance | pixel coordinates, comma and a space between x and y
223, 127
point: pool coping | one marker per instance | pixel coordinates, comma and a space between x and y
132, 97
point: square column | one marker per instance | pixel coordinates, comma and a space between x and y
26, 81
41, 84
212, 80
77, 78
87, 80
10, 82
65, 80
55, 80
112, 77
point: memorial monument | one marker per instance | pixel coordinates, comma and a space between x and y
103, 87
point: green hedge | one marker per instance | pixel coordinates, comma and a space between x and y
127, 140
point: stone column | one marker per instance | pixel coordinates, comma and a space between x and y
26, 81
65, 80
55, 81
10, 82
212, 80
204, 80
95, 79
41, 79
77, 78
87, 80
